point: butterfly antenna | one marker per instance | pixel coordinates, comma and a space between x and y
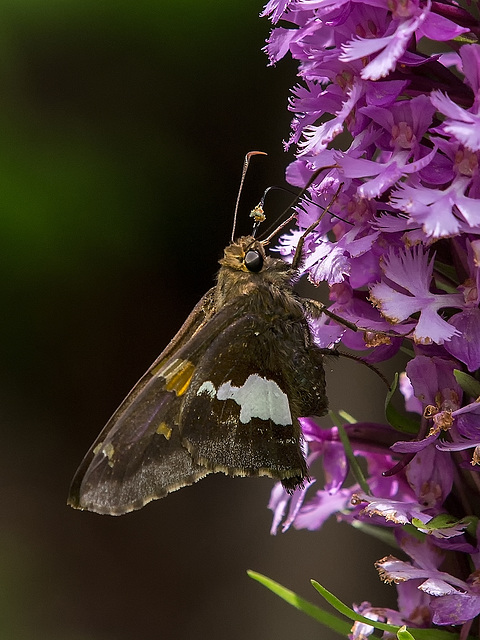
246, 162
258, 213
313, 177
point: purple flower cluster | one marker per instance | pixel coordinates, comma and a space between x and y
393, 118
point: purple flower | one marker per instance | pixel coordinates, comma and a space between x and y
440, 213
399, 250
453, 601
463, 124
393, 511
390, 48
412, 272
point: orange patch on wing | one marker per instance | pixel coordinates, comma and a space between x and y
178, 375
164, 430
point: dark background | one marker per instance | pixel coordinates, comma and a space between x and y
123, 128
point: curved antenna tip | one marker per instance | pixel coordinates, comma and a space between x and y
246, 162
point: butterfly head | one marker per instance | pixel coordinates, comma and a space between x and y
244, 254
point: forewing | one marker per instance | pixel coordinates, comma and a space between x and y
140, 459
237, 416
139, 455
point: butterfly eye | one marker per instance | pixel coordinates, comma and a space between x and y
253, 260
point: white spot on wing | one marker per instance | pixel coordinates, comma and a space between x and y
258, 398
207, 387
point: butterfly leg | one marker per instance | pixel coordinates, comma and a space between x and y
314, 308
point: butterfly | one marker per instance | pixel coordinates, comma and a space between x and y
225, 395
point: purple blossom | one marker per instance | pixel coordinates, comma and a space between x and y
453, 601
400, 252
411, 271
462, 124
440, 213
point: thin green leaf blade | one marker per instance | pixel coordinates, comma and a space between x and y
398, 420
354, 466
404, 634
380, 533
467, 383
420, 634
327, 619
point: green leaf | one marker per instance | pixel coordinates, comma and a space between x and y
325, 618
469, 385
443, 521
407, 351
380, 533
472, 525
334, 417
338, 625
404, 634
398, 420
465, 38
354, 466
420, 634
347, 417
446, 521
448, 271
446, 277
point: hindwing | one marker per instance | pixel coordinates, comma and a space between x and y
240, 412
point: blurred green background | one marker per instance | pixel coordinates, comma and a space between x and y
123, 128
